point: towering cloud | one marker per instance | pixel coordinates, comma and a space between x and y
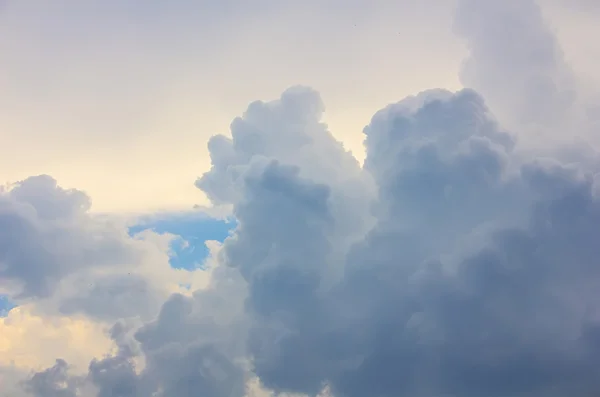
450, 263
515, 62
464, 285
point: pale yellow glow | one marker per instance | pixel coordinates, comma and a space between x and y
29, 341
128, 120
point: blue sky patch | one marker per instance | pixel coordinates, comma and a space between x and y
5, 305
194, 229
189, 252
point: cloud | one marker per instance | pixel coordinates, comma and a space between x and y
287, 131
72, 274
53, 382
394, 324
148, 85
429, 302
195, 343
451, 263
475, 276
53, 249
42, 241
515, 62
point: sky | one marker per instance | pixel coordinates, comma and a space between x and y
147, 85
299, 198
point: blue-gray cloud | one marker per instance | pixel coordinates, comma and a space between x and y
55, 252
46, 233
414, 314
449, 264
476, 276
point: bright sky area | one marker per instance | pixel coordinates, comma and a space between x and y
119, 99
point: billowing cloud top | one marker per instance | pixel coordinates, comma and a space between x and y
452, 262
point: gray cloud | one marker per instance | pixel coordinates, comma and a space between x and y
515, 61
288, 137
11, 381
53, 382
412, 316
450, 264
46, 235
115, 296
476, 278
195, 345
52, 249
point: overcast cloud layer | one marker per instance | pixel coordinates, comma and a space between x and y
457, 261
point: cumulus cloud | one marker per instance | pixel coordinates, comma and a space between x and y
72, 275
450, 263
476, 275
418, 311
53, 249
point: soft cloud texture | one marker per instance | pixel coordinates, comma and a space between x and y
515, 61
73, 275
452, 290
53, 249
452, 262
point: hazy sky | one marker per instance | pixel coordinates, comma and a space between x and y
119, 97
